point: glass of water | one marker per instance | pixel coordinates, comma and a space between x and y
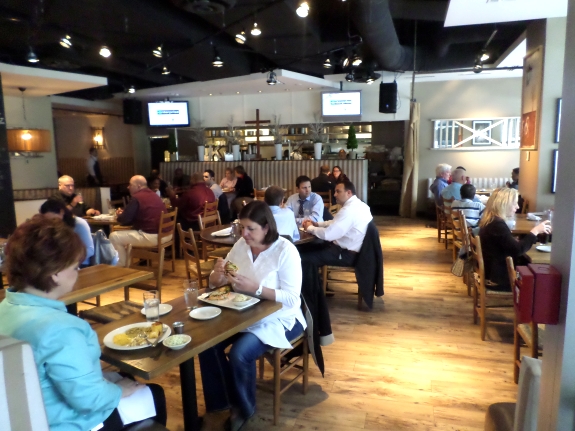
191, 294
152, 306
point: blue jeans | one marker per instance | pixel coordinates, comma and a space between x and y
231, 382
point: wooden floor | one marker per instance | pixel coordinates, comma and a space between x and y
415, 362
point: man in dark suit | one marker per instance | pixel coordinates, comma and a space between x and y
322, 183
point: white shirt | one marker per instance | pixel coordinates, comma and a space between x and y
348, 227
278, 268
91, 162
216, 189
285, 222
312, 207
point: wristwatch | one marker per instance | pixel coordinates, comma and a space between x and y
260, 290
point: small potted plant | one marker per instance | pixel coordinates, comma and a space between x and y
352, 142
233, 140
278, 131
199, 137
317, 135
173, 145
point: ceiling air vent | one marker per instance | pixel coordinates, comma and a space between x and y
205, 7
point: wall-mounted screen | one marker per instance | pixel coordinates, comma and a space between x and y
554, 179
168, 114
341, 104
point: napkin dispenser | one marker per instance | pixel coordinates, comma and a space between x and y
537, 294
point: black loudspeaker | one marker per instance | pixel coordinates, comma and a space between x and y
388, 97
132, 111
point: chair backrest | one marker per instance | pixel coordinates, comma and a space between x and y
155, 260
333, 209
259, 195
525, 207
126, 200
167, 226
190, 251
210, 208
447, 207
459, 226
326, 197
209, 221
511, 271
21, 402
478, 265
527, 406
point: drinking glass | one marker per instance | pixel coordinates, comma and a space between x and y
152, 306
191, 294
112, 211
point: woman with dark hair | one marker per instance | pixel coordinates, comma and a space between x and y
269, 267
244, 189
54, 208
337, 175
42, 258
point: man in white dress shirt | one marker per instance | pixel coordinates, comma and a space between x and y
305, 204
343, 235
284, 218
210, 180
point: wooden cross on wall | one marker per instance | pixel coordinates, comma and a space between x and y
257, 122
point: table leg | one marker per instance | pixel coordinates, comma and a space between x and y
189, 397
72, 309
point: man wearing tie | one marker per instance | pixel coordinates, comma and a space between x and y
305, 204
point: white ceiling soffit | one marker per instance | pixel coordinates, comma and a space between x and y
247, 84
513, 56
42, 82
464, 76
470, 12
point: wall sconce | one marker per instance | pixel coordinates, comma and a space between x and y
98, 137
29, 142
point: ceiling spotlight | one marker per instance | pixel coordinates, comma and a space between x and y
241, 37
370, 80
32, 58
346, 62
350, 77
217, 61
165, 70
158, 52
105, 51
272, 80
303, 10
132, 90
478, 66
484, 56
327, 63
256, 31
355, 60
66, 41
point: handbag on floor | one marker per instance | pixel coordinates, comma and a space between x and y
462, 264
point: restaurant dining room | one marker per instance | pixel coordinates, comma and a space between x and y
282, 214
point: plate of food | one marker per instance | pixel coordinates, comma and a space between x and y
544, 248
136, 336
225, 297
164, 309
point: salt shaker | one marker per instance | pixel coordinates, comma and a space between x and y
178, 327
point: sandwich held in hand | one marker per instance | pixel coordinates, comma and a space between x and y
230, 267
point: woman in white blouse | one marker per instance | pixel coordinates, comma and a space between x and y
269, 268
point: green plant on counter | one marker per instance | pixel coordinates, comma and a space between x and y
172, 144
351, 138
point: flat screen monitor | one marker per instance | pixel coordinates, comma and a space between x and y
168, 114
341, 104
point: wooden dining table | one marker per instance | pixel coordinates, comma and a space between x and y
230, 240
150, 362
101, 222
536, 256
522, 225
99, 279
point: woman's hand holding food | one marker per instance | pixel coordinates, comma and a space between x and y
241, 283
544, 227
218, 277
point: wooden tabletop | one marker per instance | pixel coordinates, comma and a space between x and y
522, 225
151, 362
229, 240
99, 279
99, 222
536, 256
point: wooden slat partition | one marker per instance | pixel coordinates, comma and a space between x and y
91, 195
115, 170
280, 173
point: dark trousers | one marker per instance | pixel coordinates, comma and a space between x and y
325, 253
114, 422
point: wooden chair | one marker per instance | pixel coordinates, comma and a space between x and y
443, 227
481, 293
118, 310
298, 362
126, 200
259, 195
195, 268
326, 197
527, 333
210, 251
333, 209
166, 235
116, 203
525, 207
459, 232
210, 209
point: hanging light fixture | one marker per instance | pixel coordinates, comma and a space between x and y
303, 10
66, 41
484, 56
132, 90
241, 37
158, 52
346, 61
105, 51
32, 58
256, 31
327, 63
355, 59
165, 70
217, 61
350, 77
370, 80
478, 66
26, 141
272, 79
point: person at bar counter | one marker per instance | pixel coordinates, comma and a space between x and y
305, 204
284, 218
53, 208
210, 180
73, 201
42, 258
514, 184
268, 267
154, 185
322, 183
442, 175
155, 174
94, 174
181, 181
191, 203
244, 189
337, 175
143, 213
497, 242
229, 181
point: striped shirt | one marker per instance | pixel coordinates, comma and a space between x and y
472, 210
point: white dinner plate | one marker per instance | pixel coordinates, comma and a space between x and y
544, 248
109, 338
164, 309
205, 313
223, 232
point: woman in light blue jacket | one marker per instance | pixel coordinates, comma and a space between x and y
42, 259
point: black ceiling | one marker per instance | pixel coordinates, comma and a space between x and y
132, 28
